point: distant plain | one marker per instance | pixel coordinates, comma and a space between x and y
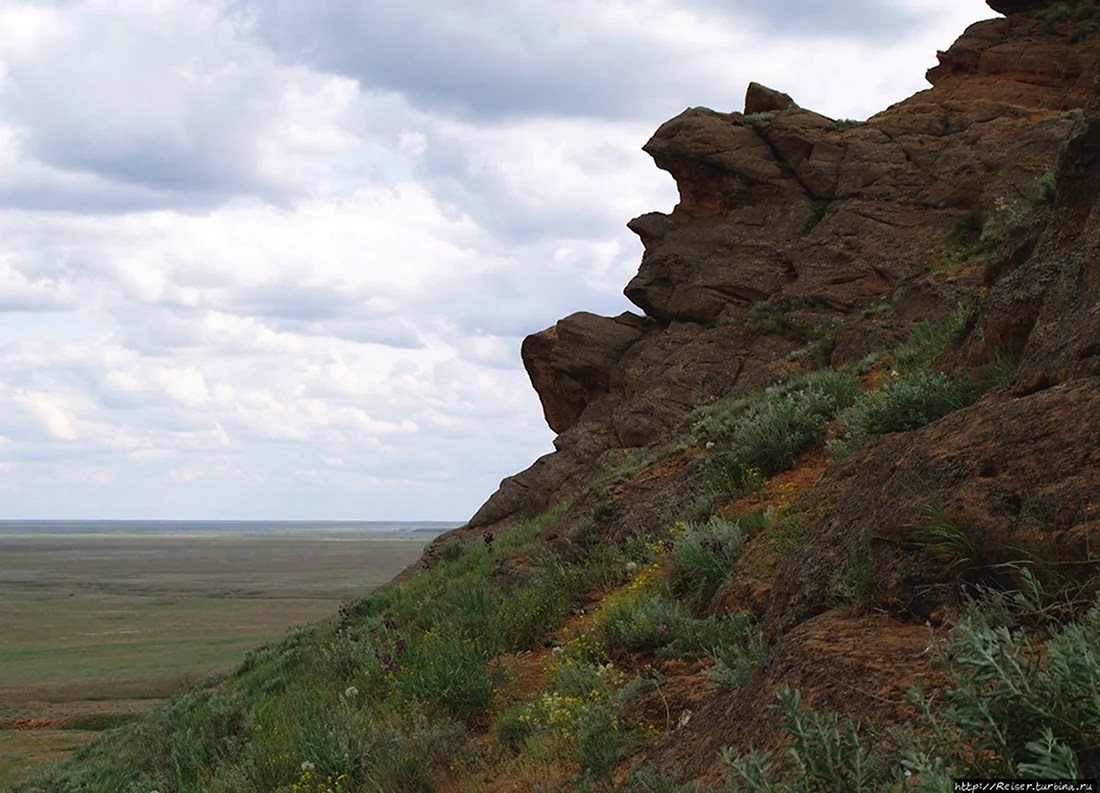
100, 622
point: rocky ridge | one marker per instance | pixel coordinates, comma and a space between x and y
801, 240
814, 219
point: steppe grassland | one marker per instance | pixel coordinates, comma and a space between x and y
97, 628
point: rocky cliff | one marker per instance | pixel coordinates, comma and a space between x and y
851, 444
806, 220
801, 241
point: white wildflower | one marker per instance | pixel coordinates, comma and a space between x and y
307, 766
631, 567
351, 692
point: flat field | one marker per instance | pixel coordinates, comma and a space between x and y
96, 628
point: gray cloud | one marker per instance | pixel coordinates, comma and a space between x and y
847, 19
544, 58
502, 61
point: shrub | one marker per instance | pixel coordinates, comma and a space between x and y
826, 754
658, 623
927, 340
785, 530
1047, 187
599, 743
769, 429
904, 403
646, 623
736, 646
514, 727
1018, 710
704, 555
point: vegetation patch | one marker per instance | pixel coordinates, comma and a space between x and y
1015, 709
768, 430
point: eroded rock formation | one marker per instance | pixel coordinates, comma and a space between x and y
817, 219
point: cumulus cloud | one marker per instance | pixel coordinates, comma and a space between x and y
276, 259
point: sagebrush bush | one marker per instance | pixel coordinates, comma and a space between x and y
1013, 710
703, 556
660, 624
769, 429
1016, 707
528, 615
906, 402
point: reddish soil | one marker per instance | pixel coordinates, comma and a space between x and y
32, 724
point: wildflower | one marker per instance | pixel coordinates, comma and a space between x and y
388, 623
399, 645
662, 629
710, 445
670, 545
488, 538
389, 664
307, 766
351, 692
631, 567
557, 651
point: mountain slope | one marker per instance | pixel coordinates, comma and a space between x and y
858, 422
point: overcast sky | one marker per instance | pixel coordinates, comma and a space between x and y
275, 258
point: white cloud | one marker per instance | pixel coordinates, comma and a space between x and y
257, 264
52, 412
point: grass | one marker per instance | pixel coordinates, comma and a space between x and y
767, 430
906, 402
99, 629
938, 535
915, 394
369, 695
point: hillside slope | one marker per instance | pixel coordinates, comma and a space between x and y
852, 445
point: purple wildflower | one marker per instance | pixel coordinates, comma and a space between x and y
399, 645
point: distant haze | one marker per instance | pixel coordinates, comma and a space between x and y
275, 259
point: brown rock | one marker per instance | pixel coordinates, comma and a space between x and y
1006, 470
570, 363
761, 99
795, 208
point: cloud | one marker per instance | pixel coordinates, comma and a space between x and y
51, 411
276, 259
123, 105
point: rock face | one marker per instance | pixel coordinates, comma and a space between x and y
571, 362
814, 219
982, 190
1017, 474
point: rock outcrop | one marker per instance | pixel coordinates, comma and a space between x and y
814, 219
799, 237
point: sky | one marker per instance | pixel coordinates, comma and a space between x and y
274, 259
